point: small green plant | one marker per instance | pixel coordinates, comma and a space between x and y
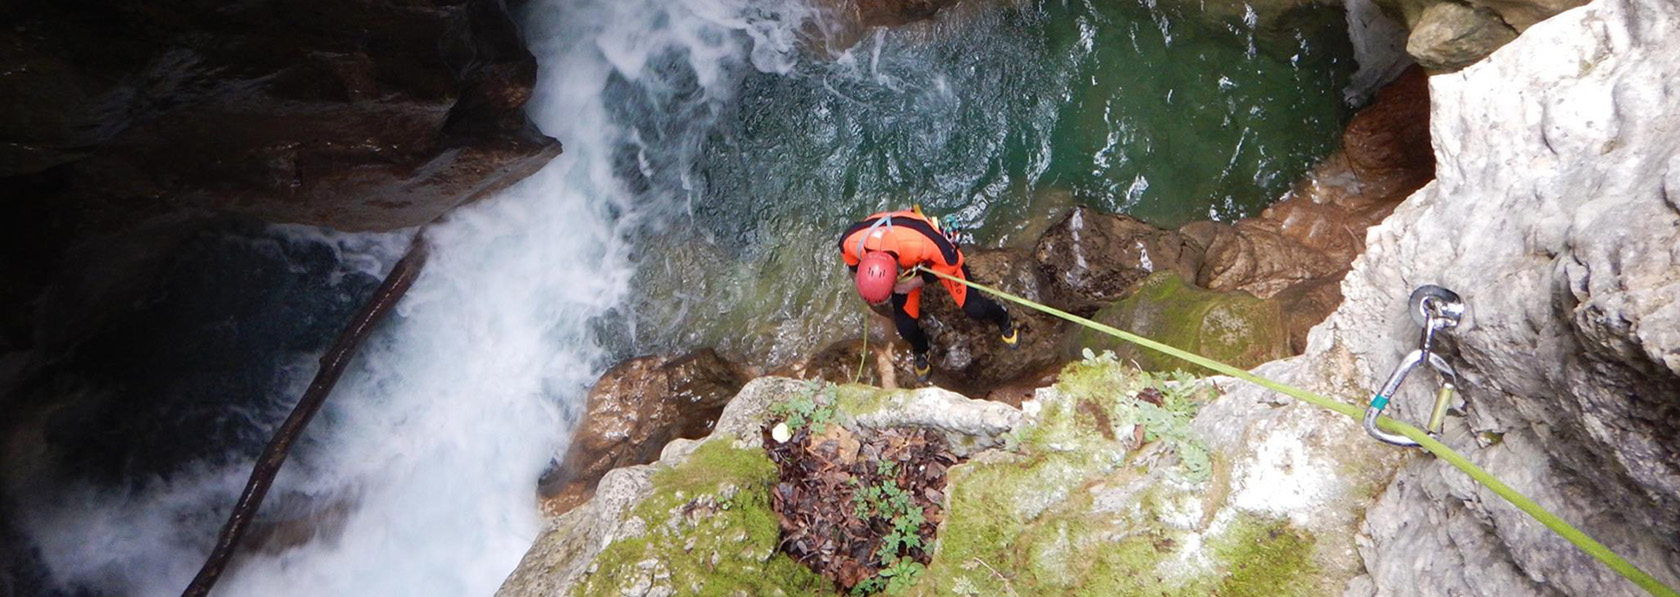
889, 502
895, 579
886, 468
813, 406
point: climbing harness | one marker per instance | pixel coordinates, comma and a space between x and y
862, 238
1437, 310
1522, 502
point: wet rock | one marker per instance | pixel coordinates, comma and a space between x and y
1311, 236
1305, 306
1390, 137
1230, 327
888, 13
968, 355
1254, 257
846, 362
633, 411
1449, 36
355, 115
1090, 259
840, 24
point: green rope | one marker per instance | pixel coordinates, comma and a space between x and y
863, 357
1552, 521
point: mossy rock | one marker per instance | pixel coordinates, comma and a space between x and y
707, 530
1231, 327
1077, 508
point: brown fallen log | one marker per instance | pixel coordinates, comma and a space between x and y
396, 284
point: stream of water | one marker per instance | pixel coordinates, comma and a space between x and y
709, 161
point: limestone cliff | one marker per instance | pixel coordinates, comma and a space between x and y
1554, 214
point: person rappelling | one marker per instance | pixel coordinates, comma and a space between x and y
884, 252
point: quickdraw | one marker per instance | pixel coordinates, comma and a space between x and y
1437, 310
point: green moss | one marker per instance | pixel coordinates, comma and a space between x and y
709, 531
858, 399
1231, 327
1265, 558
1118, 391
987, 549
1031, 523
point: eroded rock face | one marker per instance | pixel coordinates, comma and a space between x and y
633, 411
1254, 257
1387, 142
1560, 227
1554, 216
356, 115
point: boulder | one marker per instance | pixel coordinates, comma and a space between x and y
635, 409
1089, 259
1519, 14
1254, 257
1449, 36
1230, 327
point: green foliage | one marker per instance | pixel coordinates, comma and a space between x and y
888, 502
895, 579
813, 406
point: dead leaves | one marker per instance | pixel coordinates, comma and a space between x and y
829, 498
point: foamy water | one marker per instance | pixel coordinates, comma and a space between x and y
419, 477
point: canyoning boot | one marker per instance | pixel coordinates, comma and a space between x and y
1011, 337
922, 369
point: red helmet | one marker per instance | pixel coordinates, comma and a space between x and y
876, 274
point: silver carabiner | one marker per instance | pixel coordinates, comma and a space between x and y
1437, 310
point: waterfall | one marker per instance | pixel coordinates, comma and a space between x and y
419, 476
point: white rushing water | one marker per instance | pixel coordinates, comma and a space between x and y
419, 477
